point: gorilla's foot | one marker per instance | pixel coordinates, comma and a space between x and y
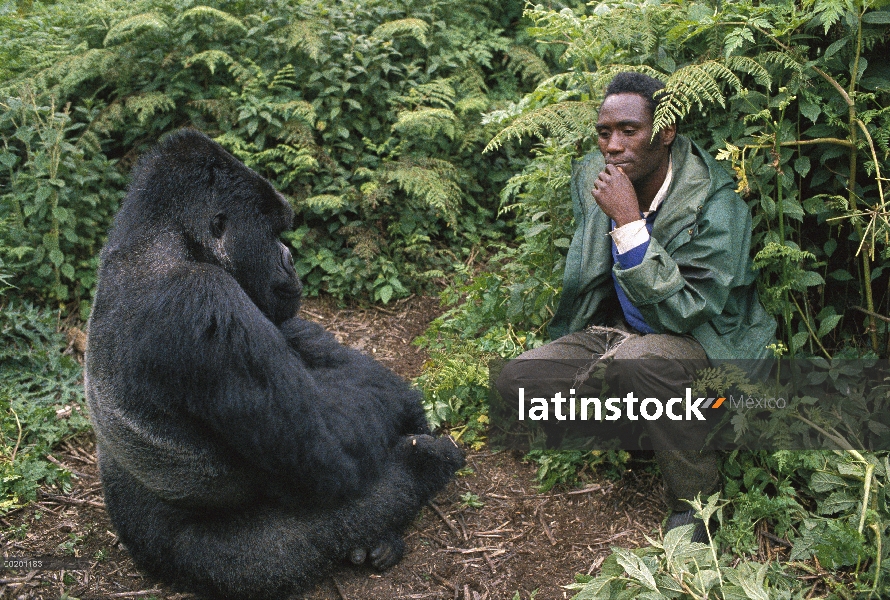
386, 552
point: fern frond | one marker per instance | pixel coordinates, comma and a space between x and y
223, 110
325, 202
131, 25
209, 58
284, 78
147, 104
296, 109
692, 85
426, 122
213, 14
782, 59
528, 65
70, 72
365, 242
828, 12
415, 28
301, 35
569, 121
748, 65
438, 92
432, 181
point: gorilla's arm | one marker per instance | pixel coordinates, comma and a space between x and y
316, 346
349, 369
237, 374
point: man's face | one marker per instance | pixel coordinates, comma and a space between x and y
624, 128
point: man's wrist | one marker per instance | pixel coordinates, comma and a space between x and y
630, 235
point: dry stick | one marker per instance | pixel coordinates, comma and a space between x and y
446, 520
490, 563
460, 521
467, 595
546, 528
24, 579
135, 594
497, 551
442, 580
872, 314
56, 462
64, 500
339, 589
587, 490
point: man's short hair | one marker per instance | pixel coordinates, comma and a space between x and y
631, 82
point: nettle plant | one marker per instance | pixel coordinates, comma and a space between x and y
58, 192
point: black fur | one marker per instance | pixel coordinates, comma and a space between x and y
243, 450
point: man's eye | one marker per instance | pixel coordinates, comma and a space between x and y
629, 131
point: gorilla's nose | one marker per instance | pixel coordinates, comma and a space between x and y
287, 261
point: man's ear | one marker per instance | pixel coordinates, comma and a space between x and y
668, 134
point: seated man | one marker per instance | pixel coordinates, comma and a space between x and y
658, 269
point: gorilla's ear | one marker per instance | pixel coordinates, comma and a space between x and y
218, 225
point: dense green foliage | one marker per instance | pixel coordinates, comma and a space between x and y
372, 117
795, 98
366, 114
41, 396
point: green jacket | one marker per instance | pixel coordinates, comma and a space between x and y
696, 277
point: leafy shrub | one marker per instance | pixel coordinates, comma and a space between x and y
366, 114
574, 467
58, 193
455, 394
41, 402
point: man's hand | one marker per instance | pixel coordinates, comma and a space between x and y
615, 194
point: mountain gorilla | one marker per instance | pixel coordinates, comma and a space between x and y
243, 451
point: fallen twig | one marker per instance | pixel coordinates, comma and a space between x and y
446, 520
339, 589
546, 528
135, 594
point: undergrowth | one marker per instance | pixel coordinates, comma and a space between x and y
41, 403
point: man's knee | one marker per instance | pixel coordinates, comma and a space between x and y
660, 347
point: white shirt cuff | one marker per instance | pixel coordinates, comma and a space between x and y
630, 235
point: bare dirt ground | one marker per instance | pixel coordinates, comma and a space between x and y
518, 542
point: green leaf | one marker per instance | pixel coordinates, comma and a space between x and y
636, 568
835, 47
809, 279
840, 275
802, 165
809, 110
799, 340
825, 482
836, 502
828, 323
385, 293
56, 257
878, 17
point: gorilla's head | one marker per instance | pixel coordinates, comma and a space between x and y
223, 213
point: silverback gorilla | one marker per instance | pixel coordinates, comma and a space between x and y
243, 451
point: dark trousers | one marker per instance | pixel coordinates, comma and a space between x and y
651, 365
